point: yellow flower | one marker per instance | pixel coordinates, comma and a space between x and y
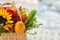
6, 27
24, 11
6, 15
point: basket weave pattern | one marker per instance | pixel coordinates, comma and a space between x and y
13, 36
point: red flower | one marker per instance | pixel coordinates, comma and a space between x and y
15, 16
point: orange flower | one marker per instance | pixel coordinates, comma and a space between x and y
19, 27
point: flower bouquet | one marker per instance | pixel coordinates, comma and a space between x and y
15, 22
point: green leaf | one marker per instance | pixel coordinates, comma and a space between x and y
31, 15
31, 24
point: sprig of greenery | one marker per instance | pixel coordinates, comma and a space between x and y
31, 24
34, 33
31, 21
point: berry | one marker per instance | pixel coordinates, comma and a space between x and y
20, 8
24, 17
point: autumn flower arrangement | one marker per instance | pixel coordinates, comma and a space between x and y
16, 20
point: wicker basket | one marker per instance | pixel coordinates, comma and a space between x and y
13, 36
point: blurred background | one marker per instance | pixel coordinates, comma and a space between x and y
48, 13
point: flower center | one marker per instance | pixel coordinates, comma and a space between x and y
2, 20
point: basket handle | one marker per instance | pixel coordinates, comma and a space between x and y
7, 4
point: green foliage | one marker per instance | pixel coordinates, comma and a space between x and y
31, 24
2, 31
31, 21
31, 15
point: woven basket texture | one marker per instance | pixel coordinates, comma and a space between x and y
13, 36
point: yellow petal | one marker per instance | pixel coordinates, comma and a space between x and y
6, 27
10, 21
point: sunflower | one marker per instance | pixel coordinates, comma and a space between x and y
5, 15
